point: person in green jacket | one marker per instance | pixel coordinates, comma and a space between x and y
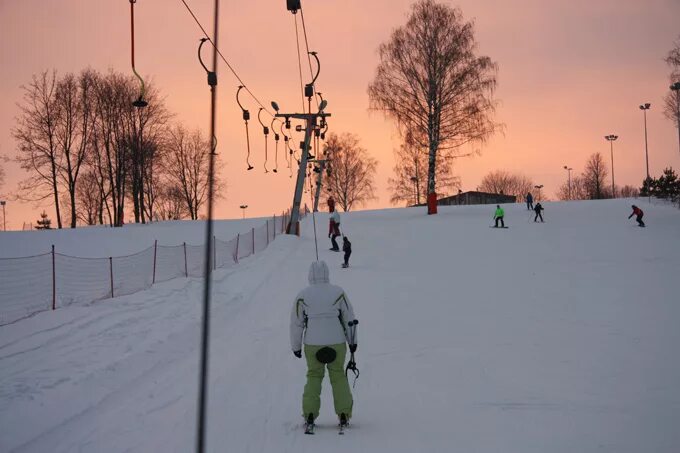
499, 216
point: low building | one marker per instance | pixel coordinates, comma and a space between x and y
474, 197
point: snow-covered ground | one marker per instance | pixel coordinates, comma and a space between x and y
554, 337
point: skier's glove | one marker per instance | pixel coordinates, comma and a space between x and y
352, 348
298, 354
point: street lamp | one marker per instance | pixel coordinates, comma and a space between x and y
244, 207
644, 108
4, 222
539, 187
611, 138
569, 169
676, 87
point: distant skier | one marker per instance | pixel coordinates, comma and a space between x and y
499, 216
638, 213
347, 248
323, 316
530, 201
538, 210
334, 228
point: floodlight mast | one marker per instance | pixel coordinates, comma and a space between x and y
310, 125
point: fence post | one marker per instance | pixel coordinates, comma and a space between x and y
238, 236
155, 248
267, 232
111, 271
252, 233
186, 269
54, 282
214, 252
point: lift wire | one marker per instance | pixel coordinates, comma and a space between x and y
233, 71
265, 131
205, 325
309, 59
246, 117
297, 42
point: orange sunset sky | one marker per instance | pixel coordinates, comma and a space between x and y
570, 72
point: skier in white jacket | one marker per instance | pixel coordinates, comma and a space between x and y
323, 318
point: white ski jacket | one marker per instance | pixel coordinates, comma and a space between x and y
335, 217
321, 312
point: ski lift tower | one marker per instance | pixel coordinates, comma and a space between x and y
311, 120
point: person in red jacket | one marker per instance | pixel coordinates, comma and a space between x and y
637, 212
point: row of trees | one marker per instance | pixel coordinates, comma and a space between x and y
665, 186
592, 183
90, 151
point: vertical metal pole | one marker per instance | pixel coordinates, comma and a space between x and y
252, 233
274, 226
186, 268
238, 237
54, 282
267, 232
611, 143
646, 150
111, 272
302, 171
155, 249
214, 252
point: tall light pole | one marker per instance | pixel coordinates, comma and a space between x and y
569, 169
539, 187
4, 219
644, 108
611, 138
244, 207
676, 87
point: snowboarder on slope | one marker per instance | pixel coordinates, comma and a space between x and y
323, 316
499, 216
637, 212
538, 210
347, 248
334, 228
530, 201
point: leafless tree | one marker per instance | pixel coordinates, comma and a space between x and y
90, 203
672, 99
507, 183
186, 167
431, 80
36, 132
577, 191
628, 191
352, 171
74, 130
594, 177
410, 179
170, 203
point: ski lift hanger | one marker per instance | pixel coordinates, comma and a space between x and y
276, 140
265, 131
139, 102
246, 117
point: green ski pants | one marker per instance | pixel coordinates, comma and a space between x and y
342, 396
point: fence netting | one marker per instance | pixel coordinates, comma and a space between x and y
52, 280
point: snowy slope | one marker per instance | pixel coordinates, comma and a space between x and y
555, 337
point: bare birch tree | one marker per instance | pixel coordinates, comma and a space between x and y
36, 135
186, 167
431, 80
594, 177
672, 99
352, 171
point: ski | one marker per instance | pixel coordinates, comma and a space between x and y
499, 227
